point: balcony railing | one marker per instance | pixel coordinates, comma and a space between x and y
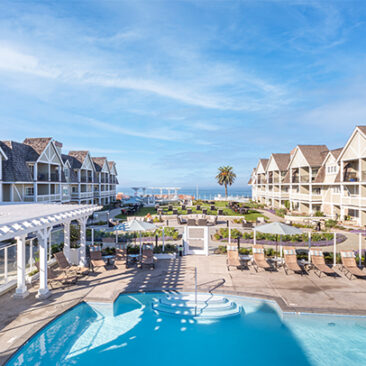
55, 177
295, 179
42, 177
350, 177
304, 178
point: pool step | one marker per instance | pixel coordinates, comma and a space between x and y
206, 306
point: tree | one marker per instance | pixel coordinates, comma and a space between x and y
225, 177
74, 236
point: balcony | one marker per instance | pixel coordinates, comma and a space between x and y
82, 195
42, 177
295, 179
96, 194
55, 177
304, 178
352, 200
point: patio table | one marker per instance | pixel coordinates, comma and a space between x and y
108, 258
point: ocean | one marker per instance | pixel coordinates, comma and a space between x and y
203, 192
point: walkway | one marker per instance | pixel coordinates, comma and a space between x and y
21, 318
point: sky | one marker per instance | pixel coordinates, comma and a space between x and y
171, 90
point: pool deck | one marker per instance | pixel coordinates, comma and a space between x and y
21, 318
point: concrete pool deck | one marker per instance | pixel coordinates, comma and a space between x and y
21, 318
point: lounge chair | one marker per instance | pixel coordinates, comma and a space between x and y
317, 259
246, 224
66, 266
97, 261
259, 261
233, 259
147, 258
202, 222
213, 222
212, 207
198, 208
204, 211
175, 211
183, 207
191, 222
189, 211
121, 257
62, 278
349, 265
220, 211
290, 263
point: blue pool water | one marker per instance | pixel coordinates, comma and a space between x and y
129, 332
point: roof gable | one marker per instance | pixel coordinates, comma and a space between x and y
262, 166
308, 155
355, 146
112, 167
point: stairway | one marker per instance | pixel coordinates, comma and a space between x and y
208, 306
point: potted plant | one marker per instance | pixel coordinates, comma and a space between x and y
74, 244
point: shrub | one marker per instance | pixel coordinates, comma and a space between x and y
319, 214
280, 212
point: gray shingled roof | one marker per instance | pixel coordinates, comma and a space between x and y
98, 163
15, 169
79, 155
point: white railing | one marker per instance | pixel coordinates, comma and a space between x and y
82, 194
8, 261
48, 197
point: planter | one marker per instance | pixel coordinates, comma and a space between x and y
165, 255
74, 256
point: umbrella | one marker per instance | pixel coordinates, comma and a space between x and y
136, 225
278, 228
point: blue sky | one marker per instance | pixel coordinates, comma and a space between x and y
172, 90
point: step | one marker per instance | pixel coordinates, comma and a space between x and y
207, 306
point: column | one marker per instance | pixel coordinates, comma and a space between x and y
21, 290
82, 222
67, 240
43, 291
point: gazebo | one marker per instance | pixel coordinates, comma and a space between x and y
17, 221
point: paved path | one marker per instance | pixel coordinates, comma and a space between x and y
20, 319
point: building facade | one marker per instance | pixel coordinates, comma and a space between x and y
36, 170
313, 178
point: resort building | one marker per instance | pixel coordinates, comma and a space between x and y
35, 170
313, 178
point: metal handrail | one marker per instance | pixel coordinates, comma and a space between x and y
195, 291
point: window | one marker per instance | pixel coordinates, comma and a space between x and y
332, 169
29, 191
336, 190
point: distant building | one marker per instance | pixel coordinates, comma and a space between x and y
313, 178
35, 170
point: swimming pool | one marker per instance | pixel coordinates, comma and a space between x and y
130, 332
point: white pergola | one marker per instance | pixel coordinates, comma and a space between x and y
17, 221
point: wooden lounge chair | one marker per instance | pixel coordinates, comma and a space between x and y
62, 278
317, 259
66, 266
349, 265
259, 260
290, 263
233, 259
147, 258
121, 257
97, 261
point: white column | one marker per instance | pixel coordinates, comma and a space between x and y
92, 236
67, 240
335, 250
43, 291
205, 240
309, 239
82, 223
21, 290
35, 186
359, 249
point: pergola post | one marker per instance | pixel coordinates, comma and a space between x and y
21, 290
67, 240
43, 291
82, 222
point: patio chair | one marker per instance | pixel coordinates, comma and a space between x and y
175, 211
198, 207
170, 208
97, 261
290, 263
183, 207
189, 211
317, 260
213, 222
121, 257
147, 258
259, 260
62, 278
191, 222
204, 211
233, 259
349, 265
212, 207
220, 211
66, 266
246, 224
202, 222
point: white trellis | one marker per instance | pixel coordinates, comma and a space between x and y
19, 220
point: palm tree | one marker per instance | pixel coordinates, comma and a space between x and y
226, 177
